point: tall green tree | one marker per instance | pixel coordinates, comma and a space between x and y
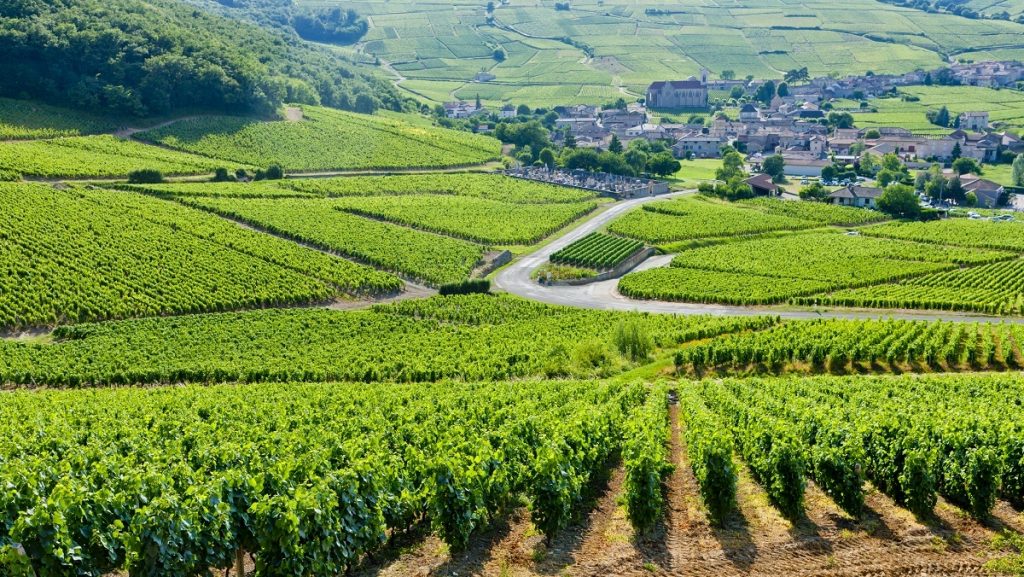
899, 200
615, 145
1018, 170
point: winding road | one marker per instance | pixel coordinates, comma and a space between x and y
515, 279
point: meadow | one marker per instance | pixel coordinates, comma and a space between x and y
599, 47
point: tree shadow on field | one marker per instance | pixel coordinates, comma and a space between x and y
563, 550
807, 534
870, 522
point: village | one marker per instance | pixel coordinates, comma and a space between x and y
800, 126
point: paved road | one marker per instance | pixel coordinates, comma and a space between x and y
605, 295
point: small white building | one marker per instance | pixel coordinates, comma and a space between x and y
507, 111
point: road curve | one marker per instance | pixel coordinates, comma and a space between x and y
515, 279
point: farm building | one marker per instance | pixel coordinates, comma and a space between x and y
763, 185
988, 193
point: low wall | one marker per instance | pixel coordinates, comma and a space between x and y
624, 267
489, 265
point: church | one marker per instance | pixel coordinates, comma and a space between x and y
689, 93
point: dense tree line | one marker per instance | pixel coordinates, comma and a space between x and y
332, 24
160, 56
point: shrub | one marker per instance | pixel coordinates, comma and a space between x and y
145, 176
466, 287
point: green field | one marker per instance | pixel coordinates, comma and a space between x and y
699, 218
99, 156
327, 139
729, 254
775, 269
430, 227
25, 120
1005, 108
587, 54
471, 337
114, 258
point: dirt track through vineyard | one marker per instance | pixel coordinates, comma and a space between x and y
886, 542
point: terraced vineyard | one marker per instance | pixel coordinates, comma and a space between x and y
480, 337
70, 259
326, 139
597, 251
99, 156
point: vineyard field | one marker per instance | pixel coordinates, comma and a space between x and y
99, 156
597, 251
914, 439
840, 346
481, 220
959, 232
326, 139
264, 189
686, 284
816, 211
479, 337
489, 186
996, 288
70, 259
25, 120
430, 257
387, 457
484, 186
348, 277
833, 257
777, 269
697, 218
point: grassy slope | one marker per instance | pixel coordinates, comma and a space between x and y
440, 48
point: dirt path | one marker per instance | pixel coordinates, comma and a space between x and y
128, 132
